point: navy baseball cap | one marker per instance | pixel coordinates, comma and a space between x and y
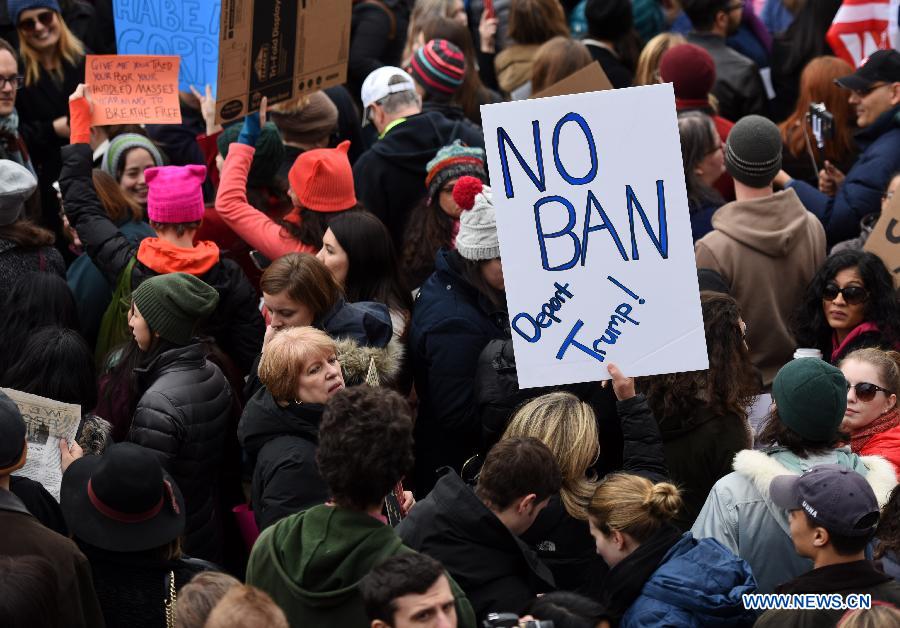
838, 499
882, 65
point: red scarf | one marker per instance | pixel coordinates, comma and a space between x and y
838, 347
859, 439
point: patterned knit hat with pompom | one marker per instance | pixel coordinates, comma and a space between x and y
477, 238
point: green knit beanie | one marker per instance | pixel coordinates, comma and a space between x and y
811, 397
267, 158
173, 304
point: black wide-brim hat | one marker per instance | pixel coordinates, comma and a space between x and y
96, 522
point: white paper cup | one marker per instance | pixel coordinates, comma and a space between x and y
807, 353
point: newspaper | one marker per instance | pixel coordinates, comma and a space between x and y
47, 422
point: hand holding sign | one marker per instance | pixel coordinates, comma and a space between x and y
133, 89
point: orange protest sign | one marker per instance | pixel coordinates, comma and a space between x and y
133, 89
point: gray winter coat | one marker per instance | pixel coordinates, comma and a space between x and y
739, 514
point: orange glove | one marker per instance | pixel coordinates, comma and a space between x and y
79, 121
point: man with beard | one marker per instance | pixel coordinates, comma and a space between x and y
739, 87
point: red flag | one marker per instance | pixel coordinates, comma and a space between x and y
860, 27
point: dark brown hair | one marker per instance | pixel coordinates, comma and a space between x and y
180, 228
118, 206
555, 60
775, 432
727, 387
428, 230
27, 234
536, 21
516, 467
365, 445
306, 280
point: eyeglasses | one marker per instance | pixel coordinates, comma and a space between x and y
44, 17
866, 391
853, 295
15, 82
862, 93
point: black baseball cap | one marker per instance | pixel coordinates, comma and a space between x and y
882, 65
838, 499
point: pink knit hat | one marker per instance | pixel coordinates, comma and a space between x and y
175, 193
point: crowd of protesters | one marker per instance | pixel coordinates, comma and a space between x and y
289, 342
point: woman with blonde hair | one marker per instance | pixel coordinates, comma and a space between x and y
647, 72
658, 576
568, 426
53, 62
817, 86
279, 428
531, 23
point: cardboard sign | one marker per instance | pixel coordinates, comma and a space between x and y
885, 239
595, 235
187, 28
279, 50
133, 89
590, 78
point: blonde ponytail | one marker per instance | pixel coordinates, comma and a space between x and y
633, 505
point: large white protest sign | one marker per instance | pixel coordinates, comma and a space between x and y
595, 235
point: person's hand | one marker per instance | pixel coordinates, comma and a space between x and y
408, 502
67, 454
253, 125
207, 109
623, 386
61, 127
487, 31
781, 180
830, 179
81, 91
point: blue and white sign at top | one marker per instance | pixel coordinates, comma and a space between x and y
187, 28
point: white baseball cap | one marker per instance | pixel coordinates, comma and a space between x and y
376, 87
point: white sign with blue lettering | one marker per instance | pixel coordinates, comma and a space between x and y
595, 235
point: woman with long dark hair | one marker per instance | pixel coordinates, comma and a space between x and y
435, 223
849, 304
702, 415
704, 163
172, 399
460, 309
358, 250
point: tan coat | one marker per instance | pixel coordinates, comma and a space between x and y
768, 251
513, 66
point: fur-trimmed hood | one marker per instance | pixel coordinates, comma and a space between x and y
376, 366
761, 467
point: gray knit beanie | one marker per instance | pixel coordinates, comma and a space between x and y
174, 303
477, 238
753, 151
119, 147
16, 186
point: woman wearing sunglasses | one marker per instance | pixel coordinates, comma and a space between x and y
872, 419
850, 304
53, 65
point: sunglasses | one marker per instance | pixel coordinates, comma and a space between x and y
866, 391
853, 295
44, 17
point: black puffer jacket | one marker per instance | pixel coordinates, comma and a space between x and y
236, 324
282, 441
182, 417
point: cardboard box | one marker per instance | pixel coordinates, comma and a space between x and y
280, 49
885, 239
590, 78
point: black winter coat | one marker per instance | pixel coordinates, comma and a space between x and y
17, 260
182, 417
390, 176
497, 571
377, 37
281, 443
38, 106
700, 450
236, 324
451, 325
